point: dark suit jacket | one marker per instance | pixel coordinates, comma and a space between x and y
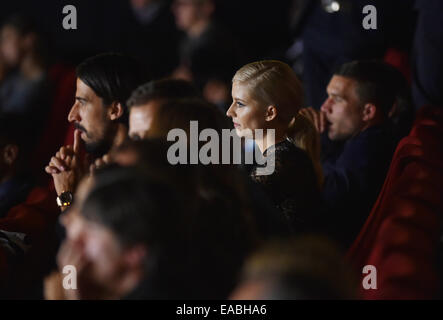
353, 178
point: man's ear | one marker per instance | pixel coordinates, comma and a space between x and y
271, 113
369, 112
10, 154
115, 111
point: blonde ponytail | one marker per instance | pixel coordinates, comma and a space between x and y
303, 134
274, 83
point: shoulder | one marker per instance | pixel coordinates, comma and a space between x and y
372, 144
288, 153
287, 159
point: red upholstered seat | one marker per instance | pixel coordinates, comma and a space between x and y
400, 60
36, 217
63, 80
401, 235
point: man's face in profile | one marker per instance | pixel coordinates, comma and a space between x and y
91, 117
100, 257
141, 119
343, 109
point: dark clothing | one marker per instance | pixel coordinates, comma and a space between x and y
210, 56
427, 56
27, 245
292, 187
13, 192
22, 96
331, 39
153, 39
354, 176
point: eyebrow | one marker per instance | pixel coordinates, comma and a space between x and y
81, 99
238, 99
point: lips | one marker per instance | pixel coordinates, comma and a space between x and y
236, 125
79, 127
328, 123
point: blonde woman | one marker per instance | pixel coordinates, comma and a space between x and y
268, 95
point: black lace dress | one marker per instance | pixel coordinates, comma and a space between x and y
292, 187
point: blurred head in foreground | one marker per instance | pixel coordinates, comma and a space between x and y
139, 235
302, 269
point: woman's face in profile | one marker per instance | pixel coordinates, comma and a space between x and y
246, 113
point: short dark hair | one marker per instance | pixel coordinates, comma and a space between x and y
374, 82
198, 234
136, 209
179, 113
163, 89
17, 130
112, 77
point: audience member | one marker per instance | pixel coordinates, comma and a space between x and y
337, 26
134, 236
306, 268
137, 225
208, 55
356, 115
15, 180
268, 95
24, 87
99, 114
149, 98
25, 221
152, 36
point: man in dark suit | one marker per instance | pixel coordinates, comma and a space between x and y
357, 144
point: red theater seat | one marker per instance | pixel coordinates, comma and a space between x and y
36, 218
63, 80
401, 235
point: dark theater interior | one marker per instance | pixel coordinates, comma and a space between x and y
221, 151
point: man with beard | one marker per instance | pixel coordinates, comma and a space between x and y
100, 116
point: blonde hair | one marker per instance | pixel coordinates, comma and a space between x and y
272, 82
305, 136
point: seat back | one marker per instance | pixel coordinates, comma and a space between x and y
401, 235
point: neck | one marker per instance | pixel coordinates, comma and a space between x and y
198, 28
374, 122
120, 136
267, 141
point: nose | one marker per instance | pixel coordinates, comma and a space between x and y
326, 106
231, 111
74, 115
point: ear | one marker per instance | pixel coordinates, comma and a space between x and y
271, 113
369, 112
115, 111
10, 154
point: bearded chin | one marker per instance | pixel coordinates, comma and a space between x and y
98, 149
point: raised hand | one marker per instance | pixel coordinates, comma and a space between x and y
66, 167
317, 117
